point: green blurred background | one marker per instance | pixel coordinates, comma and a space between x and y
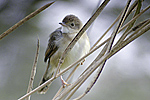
126, 75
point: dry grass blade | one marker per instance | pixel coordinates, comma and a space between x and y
117, 48
94, 50
79, 82
90, 28
92, 83
110, 43
109, 49
122, 19
130, 10
83, 80
120, 47
123, 16
137, 29
130, 24
85, 27
136, 12
100, 69
66, 69
133, 19
78, 62
33, 72
94, 67
36, 89
106, 32
132, 7
24, 20
131, 30
130, 39
68, 78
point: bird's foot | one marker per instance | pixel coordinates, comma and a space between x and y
64, 83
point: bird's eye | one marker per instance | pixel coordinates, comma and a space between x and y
72, 24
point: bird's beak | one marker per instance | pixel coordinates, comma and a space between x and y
63, 24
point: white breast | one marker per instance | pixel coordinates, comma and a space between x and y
80, 49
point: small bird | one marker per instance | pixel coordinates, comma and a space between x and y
58, 41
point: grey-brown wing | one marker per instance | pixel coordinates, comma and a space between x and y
52, 46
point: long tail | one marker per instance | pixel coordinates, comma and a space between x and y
47, 75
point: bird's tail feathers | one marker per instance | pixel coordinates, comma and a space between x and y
47, 75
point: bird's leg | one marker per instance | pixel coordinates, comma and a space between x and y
64, 83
